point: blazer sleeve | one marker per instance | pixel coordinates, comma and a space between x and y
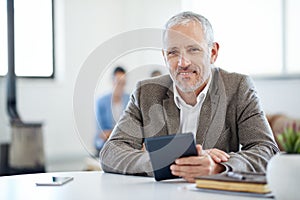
123, 153
254, 133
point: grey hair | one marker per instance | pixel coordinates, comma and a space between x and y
185, 17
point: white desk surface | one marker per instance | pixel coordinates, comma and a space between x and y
98, 185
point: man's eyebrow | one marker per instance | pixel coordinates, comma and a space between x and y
171, 48
186, 47
193, 45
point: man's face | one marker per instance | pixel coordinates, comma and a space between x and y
119, 82
188, 56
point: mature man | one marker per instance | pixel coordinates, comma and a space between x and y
220, 108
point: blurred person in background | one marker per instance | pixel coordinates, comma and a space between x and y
109, 107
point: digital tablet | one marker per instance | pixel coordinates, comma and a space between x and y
164, 150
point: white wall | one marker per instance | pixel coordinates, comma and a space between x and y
81, 26
280, 96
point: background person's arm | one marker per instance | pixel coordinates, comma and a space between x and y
123, 153
104, 124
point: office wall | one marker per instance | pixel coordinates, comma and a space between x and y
81, 26
4, 136
280, 96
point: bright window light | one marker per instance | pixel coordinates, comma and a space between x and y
3, 38
293, 40
33, 38
249, 33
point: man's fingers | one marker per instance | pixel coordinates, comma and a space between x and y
216, 158
190, 179
189, 172
199, 149
193, 166
218, 155
217, 152
191, 160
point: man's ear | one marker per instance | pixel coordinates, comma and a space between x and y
214, 53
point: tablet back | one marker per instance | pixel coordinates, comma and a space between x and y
164, 150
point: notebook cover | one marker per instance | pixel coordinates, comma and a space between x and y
248, 177
250, 182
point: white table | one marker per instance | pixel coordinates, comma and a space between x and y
98, 185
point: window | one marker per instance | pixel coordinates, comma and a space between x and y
33, 38
3, 38
256, 37
292, 36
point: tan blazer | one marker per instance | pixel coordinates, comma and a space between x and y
231, 119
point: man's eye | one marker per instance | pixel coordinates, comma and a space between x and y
194, 50
172, 53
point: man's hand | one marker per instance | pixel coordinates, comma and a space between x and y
216, 154
105, 135
206, 163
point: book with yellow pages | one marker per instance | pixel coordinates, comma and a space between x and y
235, 181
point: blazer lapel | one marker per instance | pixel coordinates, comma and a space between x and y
204, 120
171, 113
213, 131
212, 115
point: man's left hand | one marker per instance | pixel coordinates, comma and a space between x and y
193, 166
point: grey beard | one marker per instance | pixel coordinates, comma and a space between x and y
188, 88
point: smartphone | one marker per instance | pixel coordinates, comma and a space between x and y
54, 181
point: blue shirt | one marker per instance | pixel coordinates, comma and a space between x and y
104, 116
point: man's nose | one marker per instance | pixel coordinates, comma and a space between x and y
183, 61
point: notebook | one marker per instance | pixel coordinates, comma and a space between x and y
235, 181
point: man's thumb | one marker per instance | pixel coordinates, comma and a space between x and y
199, 149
